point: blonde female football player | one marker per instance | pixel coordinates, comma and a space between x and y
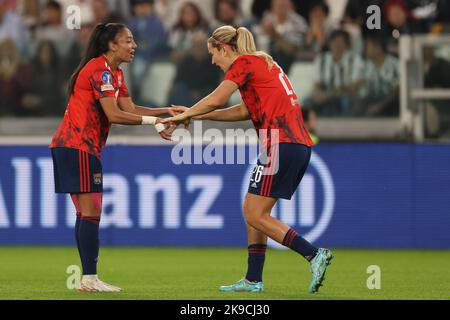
269, 100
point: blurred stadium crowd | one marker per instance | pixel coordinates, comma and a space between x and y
353, 70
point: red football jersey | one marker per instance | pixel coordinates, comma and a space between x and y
270, 99
85, 125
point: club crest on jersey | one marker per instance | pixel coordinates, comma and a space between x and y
106, 77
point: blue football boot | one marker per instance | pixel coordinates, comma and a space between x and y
319, 266
243, 285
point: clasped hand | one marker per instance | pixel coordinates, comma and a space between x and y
174, 121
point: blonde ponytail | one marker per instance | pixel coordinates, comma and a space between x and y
240, 40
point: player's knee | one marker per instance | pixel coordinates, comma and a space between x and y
254, 220
251, 222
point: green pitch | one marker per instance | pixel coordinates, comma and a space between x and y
194, 273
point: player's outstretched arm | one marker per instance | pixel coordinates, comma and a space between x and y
117, 116
127, 105
209, 103
238, 112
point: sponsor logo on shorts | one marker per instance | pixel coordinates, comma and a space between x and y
97, 178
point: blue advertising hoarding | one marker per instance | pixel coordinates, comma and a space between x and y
353, 195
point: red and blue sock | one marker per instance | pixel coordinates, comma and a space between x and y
89, 244
300, 245
256, 258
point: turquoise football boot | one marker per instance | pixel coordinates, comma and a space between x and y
243, 285
319, 266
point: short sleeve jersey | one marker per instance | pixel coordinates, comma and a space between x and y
85, 126
270, 99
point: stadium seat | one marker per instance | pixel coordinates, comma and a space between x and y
158, 81
301, 77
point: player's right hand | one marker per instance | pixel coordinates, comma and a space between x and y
167, 133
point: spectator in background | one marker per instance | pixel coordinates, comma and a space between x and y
102, 12
302, 7
354, 21
320, 28
338, 76
190, 85
310, 121
165, 9
190, 25
380, 92
168, 10
259, 7
12, 27
122, 7
399, 20
44, 96
227, 13
14, 78
151, 39
436, 69
245, 9
285, 30
54, 29
436, 75
31, 12
356, 12
429, 12
11, 4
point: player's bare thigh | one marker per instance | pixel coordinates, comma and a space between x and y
90, 204
255, 205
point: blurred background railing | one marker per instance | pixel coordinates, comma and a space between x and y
387, 84
425, 86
